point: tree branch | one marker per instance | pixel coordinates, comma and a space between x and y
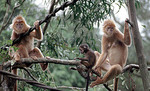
25, 61
34, 83
27, 72
47, 23
131, 66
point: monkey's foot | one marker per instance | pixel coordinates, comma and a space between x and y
47, 57
98, 81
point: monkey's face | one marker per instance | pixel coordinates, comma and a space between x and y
19, 27
83, 48
109, 27
109, 31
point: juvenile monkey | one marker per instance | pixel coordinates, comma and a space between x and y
88, 61
115, 49
26, 46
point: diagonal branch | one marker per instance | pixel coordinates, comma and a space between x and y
31, 82
47, 23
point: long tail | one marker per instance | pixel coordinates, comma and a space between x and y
87, 80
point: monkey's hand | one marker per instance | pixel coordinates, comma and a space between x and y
95, 67
128, 21
34, 57
82, 59
36, 24
47, 57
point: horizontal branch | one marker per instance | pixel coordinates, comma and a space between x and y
25, 61
131, 66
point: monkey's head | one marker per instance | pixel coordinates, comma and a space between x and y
109, 27
19, 25
84, 48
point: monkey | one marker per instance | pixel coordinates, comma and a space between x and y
88, 61
26, 46
115, 49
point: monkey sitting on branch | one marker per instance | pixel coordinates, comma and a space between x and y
26, 45
115, 48
89, 62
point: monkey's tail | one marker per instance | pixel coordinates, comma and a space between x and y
87, 79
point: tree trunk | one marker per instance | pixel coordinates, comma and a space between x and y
138, 44
7, 83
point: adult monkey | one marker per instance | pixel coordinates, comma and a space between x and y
115, 49
26, 45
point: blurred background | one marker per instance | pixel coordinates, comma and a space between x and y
81, 23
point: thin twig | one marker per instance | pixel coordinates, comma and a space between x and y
27, 72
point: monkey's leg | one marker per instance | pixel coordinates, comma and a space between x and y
20, 53
36, 52
113, 72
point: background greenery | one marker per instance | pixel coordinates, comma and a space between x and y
66, 32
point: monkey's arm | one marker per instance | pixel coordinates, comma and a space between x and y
127, 37
82, 59
104, 54
38, 31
